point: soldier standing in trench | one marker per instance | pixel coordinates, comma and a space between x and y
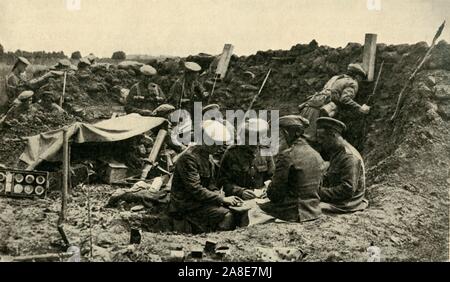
144, 96
188, 90
337, 94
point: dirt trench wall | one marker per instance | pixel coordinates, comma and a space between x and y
305, 68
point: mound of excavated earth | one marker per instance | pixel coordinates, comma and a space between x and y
407, 164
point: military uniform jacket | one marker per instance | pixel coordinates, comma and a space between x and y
340, 89
193, 183
15, 85
294, 192
344, 183
194, 92
142, 98
244, 168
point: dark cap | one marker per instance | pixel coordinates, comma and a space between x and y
331, 123
293, 121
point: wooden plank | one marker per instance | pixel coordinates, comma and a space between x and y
224, 61
369, 55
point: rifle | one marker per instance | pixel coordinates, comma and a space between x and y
375, 87
376, 84
401, 96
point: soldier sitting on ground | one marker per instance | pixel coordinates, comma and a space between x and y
294, 191
344, 184
243, 168
194, 195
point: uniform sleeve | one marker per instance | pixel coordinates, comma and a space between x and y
276, 190
227, 177
14, 86
348, 182
190, 177
38, 82
349, 93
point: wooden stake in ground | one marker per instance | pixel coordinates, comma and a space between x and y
401, 96
369, 55
222, 67
61, 100
65, 187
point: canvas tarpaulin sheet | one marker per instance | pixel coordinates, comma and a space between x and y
48, 146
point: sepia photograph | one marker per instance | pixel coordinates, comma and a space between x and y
253, 131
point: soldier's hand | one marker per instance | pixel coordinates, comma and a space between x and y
248, 195
232, 201
364, 109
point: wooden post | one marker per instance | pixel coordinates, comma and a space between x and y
61, 100
369, 56
224, 61
65, 186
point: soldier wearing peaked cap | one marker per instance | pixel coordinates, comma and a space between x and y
187, 90
17, 82
84, 71
290, 122
195, 196
84, 63
294, 191
145, 95
338, 93
344, 184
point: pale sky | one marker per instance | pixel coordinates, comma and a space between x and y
183, 27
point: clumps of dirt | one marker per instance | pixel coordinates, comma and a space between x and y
407, 163
24, 125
